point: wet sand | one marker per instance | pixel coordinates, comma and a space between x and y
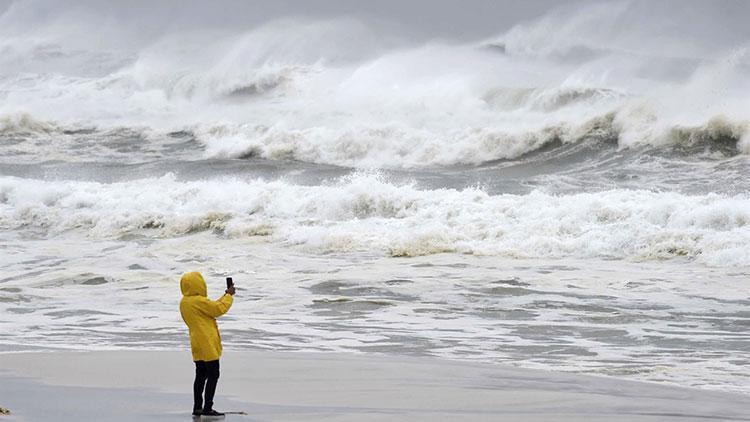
277, 386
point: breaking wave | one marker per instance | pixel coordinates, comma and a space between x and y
396, 146
360, 146
339, 92
366, 212
23, 124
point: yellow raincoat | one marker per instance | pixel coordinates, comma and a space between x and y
200, 313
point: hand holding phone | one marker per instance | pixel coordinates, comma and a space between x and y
230, 286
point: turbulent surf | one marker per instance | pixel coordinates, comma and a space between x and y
567, 189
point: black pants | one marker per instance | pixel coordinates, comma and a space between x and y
206, 375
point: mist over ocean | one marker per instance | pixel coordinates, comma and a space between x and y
553, 184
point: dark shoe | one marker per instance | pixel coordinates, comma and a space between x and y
197, 412
211, 412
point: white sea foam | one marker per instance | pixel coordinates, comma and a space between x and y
365, 212
622, 246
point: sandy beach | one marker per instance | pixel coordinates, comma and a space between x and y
277, 386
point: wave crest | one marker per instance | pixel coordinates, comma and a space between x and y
365, 212
402, 147
23, 124
336, 92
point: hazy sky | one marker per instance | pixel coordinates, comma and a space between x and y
421, 18
713, 24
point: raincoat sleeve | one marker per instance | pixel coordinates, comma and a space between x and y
217, 308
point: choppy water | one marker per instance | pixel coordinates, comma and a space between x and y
679, 322
576, 205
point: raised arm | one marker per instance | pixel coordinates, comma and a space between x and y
217, 308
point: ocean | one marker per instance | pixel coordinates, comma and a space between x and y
569, 193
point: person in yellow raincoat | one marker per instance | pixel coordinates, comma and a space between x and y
200, 313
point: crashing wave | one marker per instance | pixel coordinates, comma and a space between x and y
390, 146
548, 100
334, 92
365, 212
403, 147
23, 124
217, 86
717, 131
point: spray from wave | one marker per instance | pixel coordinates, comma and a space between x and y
338, 92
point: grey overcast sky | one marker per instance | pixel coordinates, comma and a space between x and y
461, 20
714, 22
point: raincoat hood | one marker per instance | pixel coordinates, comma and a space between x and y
193, 284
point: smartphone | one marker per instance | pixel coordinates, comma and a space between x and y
230, 283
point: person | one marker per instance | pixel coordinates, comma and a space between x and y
200, 313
